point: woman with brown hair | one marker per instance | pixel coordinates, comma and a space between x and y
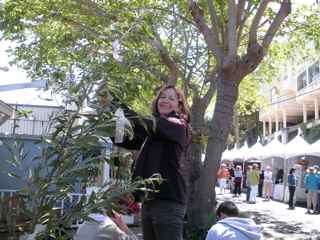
163, 141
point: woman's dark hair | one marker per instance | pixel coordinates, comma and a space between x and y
291, 170
183, 107
228, 208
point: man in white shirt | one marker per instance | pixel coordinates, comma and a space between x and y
231, 227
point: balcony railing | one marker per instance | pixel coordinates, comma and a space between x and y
312, 85
28, 127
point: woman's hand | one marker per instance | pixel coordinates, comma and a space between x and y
117, 219
176, 120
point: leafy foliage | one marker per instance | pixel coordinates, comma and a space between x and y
76, 145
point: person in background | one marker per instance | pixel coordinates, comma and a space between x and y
267, 183
318, 194
231, 178
231, 227
223, 176
253, 178
237, 181
260, 186
248, 187
103, 227
109, 226
311, 182
292, 183
279, 176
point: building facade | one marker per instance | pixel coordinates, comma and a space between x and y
293, 98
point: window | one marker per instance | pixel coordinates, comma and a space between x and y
314, 71
273, 94
302, 80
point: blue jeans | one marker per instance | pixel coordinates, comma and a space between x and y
318, 202
162, 220
248, 193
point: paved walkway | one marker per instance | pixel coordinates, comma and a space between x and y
278, 222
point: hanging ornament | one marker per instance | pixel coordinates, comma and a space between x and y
116, 50
120, 124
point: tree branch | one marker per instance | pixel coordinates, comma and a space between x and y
212, 78
93, 7
207, 33
166, 59
256, 20
85, 28
232, 34
243, 15
240, 11
283, 12
216, 24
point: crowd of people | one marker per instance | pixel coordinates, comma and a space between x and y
260, 182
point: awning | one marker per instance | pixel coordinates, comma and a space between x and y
273, 149
297, 147
256, 150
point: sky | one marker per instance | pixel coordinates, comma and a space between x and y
14, 74
31, 96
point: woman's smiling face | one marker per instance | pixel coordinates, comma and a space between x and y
168, 101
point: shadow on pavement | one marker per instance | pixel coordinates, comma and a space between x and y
281, 227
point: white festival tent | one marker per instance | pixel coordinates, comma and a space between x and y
229, 154
256, 150
226, 154
273, 149
315, 148
242, 152
297, 147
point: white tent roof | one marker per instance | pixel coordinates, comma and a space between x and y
315, 148
256, 150
226, 154
297, 146
232, 154
243, 151
229, 154
273, 149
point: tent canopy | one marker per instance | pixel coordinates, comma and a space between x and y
255, 151
297, 146
273, 149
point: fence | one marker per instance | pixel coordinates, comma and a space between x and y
9, 204
28, 127
61, 206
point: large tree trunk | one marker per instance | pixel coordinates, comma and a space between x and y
194, 154
219, 127
236, 128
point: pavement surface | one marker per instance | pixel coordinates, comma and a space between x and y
277, 220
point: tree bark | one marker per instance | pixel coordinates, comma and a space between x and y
194, 154
227, 94
236, 128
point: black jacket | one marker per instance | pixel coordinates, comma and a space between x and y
162, 147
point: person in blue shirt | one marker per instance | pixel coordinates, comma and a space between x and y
318, 194
292, 183
311, 183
